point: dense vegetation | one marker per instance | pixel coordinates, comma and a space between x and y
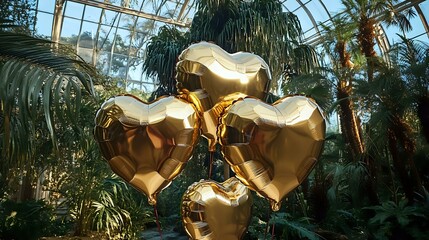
370, 182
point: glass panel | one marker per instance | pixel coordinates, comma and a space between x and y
317, 11
126, 21
149, 7
148, 84
167, 10
92, 14
423, 38
105, 39
333, 6
44, 24
135, 70
292, 5
136, 4
109, 17
70, 30
425, 9
122, 41
46, 5
306, 23
85, 53
74, 9
310, 33
103, 61
418, 28
119, 66
87, 36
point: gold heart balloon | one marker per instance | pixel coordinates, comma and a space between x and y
211, 78
212, 210
272, 149
147, 145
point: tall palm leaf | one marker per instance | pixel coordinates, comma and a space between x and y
413, 58
399, 92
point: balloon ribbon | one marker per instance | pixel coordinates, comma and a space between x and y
211, 164
157, 221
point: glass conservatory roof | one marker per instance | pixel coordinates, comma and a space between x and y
112, 34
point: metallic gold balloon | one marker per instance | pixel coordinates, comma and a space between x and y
211, 78
212, 210
272, 149
147, 145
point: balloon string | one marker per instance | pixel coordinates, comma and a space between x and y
157, 221
267, 229
211, 164
272, 231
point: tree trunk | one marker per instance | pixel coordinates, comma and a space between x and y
366, 38
349, 122
403, 147
399, 166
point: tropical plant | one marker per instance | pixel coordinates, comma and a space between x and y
260, 27
161, 56
398, 220
38, 79
27, 220
112, 210
293, 228
366, 14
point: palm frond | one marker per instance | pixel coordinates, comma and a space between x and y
45, 54
38, 80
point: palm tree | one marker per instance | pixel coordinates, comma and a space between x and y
260, 27
161, 56
367, 14
340, 35
40, 87
414, 62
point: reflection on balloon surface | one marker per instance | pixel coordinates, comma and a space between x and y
272, 149
211, 78
147, 145
212, 210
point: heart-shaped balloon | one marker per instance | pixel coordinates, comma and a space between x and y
212, 210
272, 148
211, 78
147, 145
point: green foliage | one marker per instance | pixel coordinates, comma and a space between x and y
42, 85
111, 210
162, 53
316, 86
402, 219
293, 228
260, 27
28, 220
19, 14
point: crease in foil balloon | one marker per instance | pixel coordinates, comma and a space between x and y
147, 144
274, 151
213, 79
212, 210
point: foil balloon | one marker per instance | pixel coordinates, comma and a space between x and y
212, 210
211, 78
147, 145
272, 148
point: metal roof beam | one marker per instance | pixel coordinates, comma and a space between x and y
132, 12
